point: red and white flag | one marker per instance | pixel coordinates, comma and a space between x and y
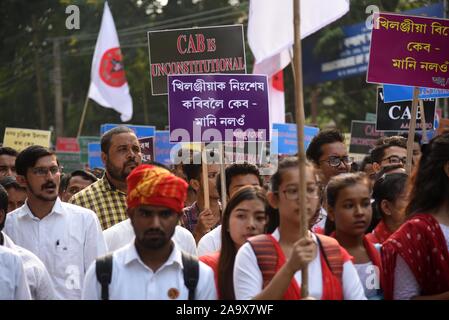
108, 86
270, 28
271, 37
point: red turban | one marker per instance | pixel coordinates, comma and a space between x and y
156, 186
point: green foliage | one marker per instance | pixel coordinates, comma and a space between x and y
27, 29
353, 97
325, 46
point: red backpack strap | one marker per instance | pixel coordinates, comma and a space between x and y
332, 254
266, 255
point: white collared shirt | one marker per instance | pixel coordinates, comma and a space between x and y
248, 281
133, 280
122, 233
38, 279
210, 242
67, 240
13, 285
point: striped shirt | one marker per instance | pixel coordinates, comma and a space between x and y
105, 200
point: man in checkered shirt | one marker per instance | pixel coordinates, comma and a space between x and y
120, 153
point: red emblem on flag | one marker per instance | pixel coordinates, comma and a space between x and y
278, 81
112, 71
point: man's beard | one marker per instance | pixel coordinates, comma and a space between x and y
154, 243
119, 174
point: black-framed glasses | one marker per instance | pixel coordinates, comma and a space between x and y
43, 171
336, 161
395, 160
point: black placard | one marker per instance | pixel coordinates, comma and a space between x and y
218, 49
364, 135
395, 116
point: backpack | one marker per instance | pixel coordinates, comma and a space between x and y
267, 256
191, 270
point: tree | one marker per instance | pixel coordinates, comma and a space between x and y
24, 43
348, 99
27, 29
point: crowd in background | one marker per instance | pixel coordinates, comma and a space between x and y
138, 230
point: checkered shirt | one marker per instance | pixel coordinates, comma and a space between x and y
105, 200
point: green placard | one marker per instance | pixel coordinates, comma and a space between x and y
371, 117
70, 161
84, 142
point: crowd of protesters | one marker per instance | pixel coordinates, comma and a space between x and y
144, 231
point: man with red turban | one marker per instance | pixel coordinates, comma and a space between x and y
151, 267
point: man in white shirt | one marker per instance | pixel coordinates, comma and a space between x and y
38, 279
329, 155
237, 176
67, 238
13, 285
151, 267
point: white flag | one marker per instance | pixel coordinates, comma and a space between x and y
270, 28
108, 86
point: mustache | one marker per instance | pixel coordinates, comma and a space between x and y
130, 162
48, 185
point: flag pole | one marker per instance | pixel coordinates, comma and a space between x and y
223, 178
83, 115
300, 120
205, 175
411, 131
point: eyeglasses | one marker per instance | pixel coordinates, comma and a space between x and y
43, 171
336, 161
293, 194
396, 160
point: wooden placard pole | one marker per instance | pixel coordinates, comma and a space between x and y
411, 131
423, 121
300, 120
205, 174
223, 178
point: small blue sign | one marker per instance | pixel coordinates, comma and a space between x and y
94, 155
287, 138
395, 93
163, 147
141, 131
